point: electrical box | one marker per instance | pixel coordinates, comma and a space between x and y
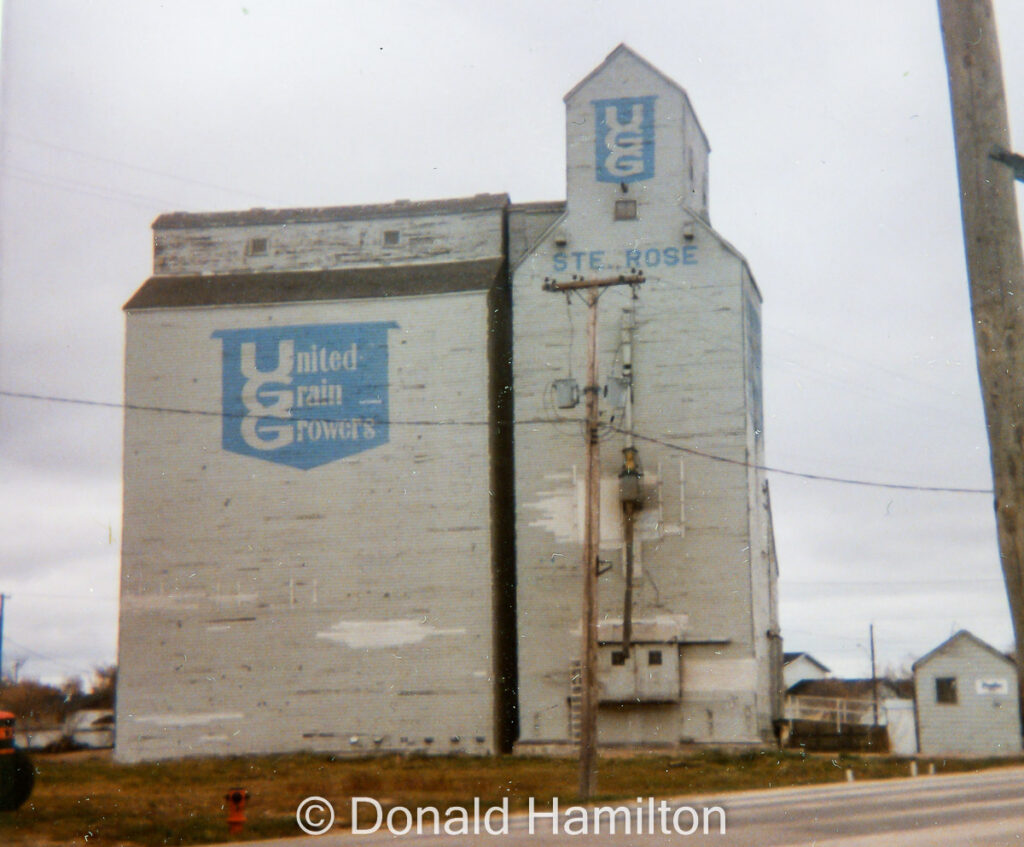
631, 489
567, 393
649, 674
615, 392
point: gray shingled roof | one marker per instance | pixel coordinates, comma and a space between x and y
303, 286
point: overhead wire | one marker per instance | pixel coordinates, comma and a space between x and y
801, 474
87, 189
140, 168
816, 477
42, 656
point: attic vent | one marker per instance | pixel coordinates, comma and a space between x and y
625, 210
391, 237
256, 247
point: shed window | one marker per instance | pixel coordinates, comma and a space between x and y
256, 247
391, 237
945, 689
625, 210
654, 657
618, 657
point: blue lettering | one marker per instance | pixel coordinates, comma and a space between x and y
671, 256
596, 259
560, 264
690, 254
632, 257
578, 255
652, 258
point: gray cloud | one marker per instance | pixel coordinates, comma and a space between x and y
832, 171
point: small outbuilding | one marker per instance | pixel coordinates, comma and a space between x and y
796, 667
967, 700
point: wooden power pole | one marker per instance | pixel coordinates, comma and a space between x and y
874, 679
995, 266
3, 597
591, 531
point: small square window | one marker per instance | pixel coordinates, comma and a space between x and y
256, 247
618, 657
654, 657
625, 210
945, 690
391, 237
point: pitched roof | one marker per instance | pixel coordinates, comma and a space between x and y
792, 657
624, 49
303, 286
277, 217
961, 635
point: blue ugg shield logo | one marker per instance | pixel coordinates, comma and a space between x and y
305, 395
625, 139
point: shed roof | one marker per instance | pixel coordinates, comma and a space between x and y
235, 289
850, 689
962, 635
399, 208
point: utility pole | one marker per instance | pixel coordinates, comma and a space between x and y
874, 675
630, 492
592, 528
3, 598
995, 266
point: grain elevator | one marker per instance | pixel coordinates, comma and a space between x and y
353, 468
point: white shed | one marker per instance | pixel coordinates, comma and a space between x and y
967, 700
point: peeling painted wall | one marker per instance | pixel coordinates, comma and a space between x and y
334, 244
702, 547
343, 607
376, 599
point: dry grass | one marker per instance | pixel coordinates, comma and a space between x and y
85, 799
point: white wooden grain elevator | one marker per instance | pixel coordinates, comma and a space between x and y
353, 492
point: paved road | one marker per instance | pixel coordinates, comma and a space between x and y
930, 811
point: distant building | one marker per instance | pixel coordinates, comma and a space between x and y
967, 700
846, 689
796, 667
336, 538
90, 728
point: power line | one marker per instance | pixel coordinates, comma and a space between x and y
914, 582
802, 475
87, 189
77, 598
859, 360
139, 168
171, 410
44, 658
137, 407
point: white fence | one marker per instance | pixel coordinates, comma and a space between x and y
839, 711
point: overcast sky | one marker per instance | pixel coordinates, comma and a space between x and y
832, 170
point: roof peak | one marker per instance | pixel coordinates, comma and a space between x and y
958, 636
624, 49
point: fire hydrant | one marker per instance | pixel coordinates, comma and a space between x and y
236, 799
